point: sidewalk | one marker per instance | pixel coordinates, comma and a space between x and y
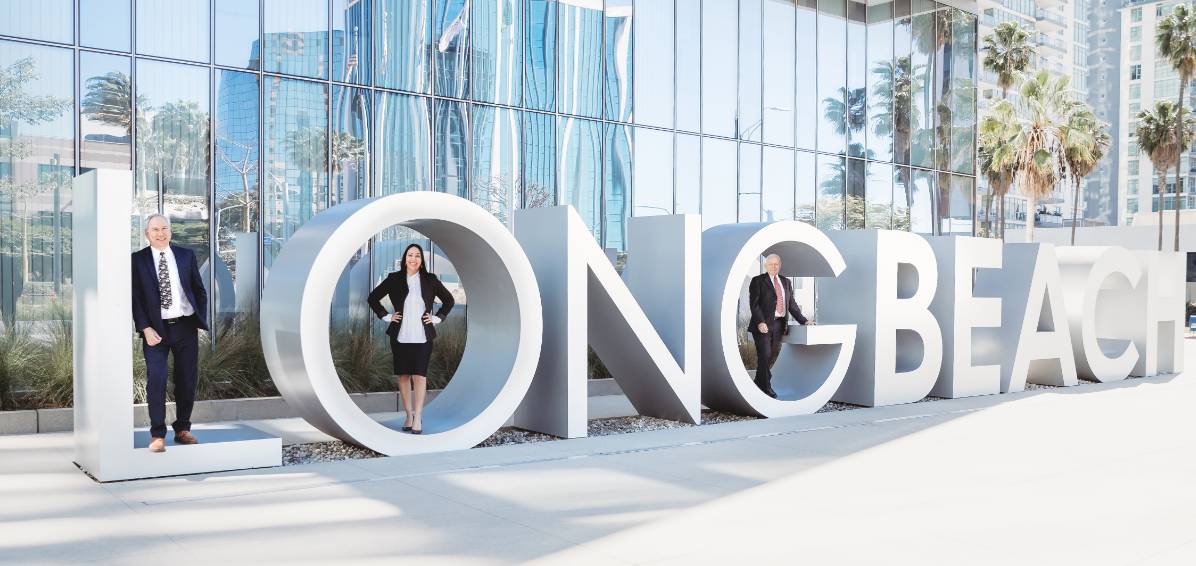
1095, 474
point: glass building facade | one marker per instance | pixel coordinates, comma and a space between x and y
241, 119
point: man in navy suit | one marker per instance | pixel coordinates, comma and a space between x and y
170, 305
770, 298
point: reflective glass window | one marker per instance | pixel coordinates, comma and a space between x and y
719, 180
402, 39
777, 192
921, 201
106, 111
173, 147
878, 198
923, 99
719, 67
451, 148
954, 205
450, 47
296, 37
687, 181
653, 69
806, 104
496, 34
653, 162
880, 74
618, 54
832, 183
47, 20
236, 29
749, 183
857, 183
750, 121
351, 108
579, 78
539, 68
179, 29
295, 127
104, 24
856, 95
352, 52
539, 160
38, 138
902, 197
497, 169
902, 77
832, 76
402, 144
689, 65
616, 187
806, 180
580, 167
237, 216
959, 103
779, 67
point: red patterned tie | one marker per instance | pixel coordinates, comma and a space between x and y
776, 287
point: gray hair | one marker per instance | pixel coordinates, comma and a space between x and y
770, 256
151, 218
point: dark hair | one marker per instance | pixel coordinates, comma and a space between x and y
423, 259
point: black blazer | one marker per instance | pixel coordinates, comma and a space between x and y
147, 303
763, 302
395, 286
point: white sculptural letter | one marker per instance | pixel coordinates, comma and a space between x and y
813, 359
886, 291
504, 320
1100, 294
644, 327
1159, 328
959, 311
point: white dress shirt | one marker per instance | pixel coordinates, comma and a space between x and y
411, 328
179, 305
776, 284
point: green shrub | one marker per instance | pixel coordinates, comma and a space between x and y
18, 353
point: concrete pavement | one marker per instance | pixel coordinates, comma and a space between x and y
1095, 474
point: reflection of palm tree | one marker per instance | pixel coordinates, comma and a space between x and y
173, 146
109, 100
307, 151
848, 112
893, 112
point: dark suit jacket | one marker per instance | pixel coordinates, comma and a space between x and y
147, 305
763, 302
395, 286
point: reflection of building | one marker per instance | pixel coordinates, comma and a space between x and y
842, 113
1147, 79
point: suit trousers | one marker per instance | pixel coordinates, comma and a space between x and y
768, 346
180, 341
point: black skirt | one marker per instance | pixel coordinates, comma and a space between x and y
411, 358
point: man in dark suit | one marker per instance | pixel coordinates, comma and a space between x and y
170, 306
770, 297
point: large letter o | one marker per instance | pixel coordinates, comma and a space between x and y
505, 321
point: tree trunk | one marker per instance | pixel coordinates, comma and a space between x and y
1162, 191
988, 217
1031, 212
1183, 81
1176, 204
1075, 211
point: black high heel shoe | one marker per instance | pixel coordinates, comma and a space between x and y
407, 428
420, 430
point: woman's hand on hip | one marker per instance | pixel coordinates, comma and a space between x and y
431, 319
395, 317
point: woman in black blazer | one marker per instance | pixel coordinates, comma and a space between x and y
411, 337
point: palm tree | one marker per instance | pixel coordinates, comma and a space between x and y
1007, 53
1158, 135
109, 100
893, 115
997, 146
1045, 104
1176, 41
1085, 140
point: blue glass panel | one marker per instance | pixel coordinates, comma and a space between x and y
236, 27
580, 158
780, 67
653, 162
902, 197
653, 69
879, 197
173, 148
106, 116
806, 104
857, 184
451, 148
687, 184
402, 144
806, 180
778, 191
105, 24
857, 79
689, 65
617, 185
750, 122
921, 199
831, 182
235, 170
749, 182
719, 179
958, 106
296, 37
496, 168
295, 175
47, 20
496, 36
619, 60
179, 30
954, 209
450, 47
352, 53
832, 76
922, 112
580, 65
719, 68
351, 108
402, 44
539, 160
539, 70
901, 75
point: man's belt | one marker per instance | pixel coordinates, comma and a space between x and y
169, 321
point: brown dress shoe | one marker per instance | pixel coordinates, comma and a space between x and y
157, 444
185, 437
